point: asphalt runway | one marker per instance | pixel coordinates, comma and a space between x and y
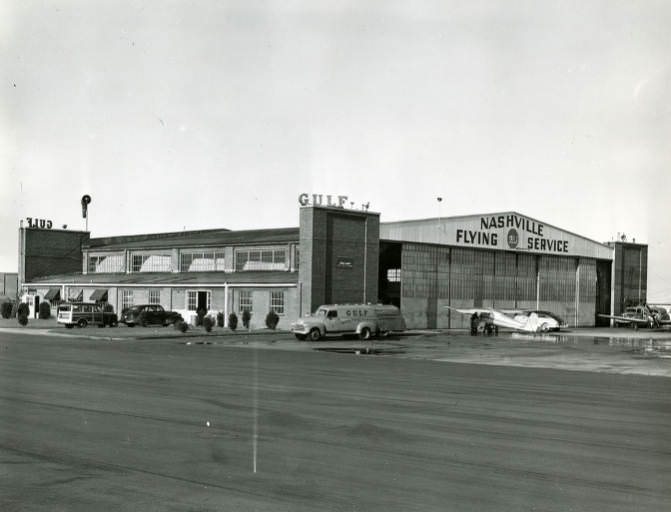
148, 425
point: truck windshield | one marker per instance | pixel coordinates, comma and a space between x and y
321, 312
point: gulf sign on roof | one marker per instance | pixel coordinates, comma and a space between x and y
508, 231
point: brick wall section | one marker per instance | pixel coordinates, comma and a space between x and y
339, 256
45, 252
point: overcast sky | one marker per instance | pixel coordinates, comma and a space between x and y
207, 114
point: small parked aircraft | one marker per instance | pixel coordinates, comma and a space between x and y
526, 321
641, 316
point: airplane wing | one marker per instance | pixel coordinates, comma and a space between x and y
470, 311
498, 318
626, 319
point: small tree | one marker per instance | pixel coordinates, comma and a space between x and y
246, 317
208, 323
220, 319
272, 319
232, 321
6, 310
23, 319
45, 311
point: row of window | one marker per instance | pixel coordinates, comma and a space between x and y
192, 302
191, 261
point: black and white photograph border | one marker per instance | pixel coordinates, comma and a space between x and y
335, 255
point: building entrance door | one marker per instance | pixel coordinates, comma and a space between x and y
203, 301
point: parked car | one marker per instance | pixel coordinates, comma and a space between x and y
145, 314
365, 320
81, 314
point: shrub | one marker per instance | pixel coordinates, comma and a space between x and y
45, 311
246, 317
232, 321
6, 309
23, 309
181, 325
23, 319
200, 314
220, 319
208, 323
272, 319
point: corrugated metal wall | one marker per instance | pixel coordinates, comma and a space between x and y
526, 282
587, 292
433, 277
557, 286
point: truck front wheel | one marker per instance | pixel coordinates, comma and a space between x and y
315, 334
364, 334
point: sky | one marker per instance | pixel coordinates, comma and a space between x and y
212, 114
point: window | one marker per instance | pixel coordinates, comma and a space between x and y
201, 261
105, 263
151, 263
277, 302
394, 275
260, 259
192, 301
154, 296
297, 262
126, 299
245, 301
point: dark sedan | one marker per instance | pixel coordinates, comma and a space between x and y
146, 314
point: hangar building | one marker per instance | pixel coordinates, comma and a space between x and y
503, 260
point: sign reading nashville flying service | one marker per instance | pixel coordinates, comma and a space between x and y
491, 228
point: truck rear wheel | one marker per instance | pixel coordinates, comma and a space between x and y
315, 335
364, 334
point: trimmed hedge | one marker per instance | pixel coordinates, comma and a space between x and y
6, 310
246, 317
232, 321
208, 323
22, 309
181, 325
23, 320
272, 319
220, 319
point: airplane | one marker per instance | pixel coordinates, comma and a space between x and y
526, 321
641, 316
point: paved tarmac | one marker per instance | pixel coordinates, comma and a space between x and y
267, 424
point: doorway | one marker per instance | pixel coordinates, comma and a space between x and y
202, 301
